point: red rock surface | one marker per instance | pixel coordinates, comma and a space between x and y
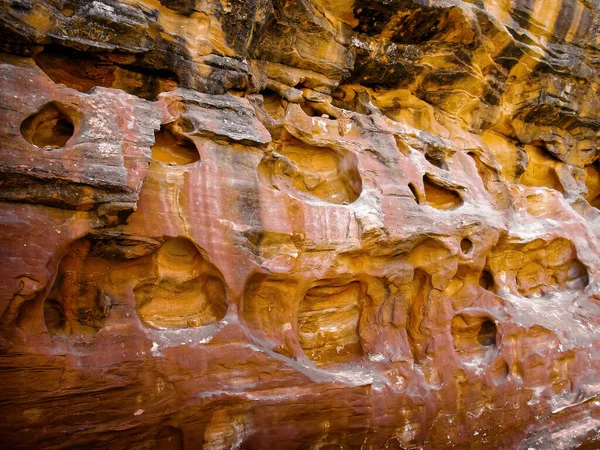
302, 224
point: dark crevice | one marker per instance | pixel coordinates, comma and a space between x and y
83, 71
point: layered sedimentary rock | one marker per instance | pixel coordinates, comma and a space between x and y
300, 224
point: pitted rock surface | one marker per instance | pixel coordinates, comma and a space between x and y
300, 224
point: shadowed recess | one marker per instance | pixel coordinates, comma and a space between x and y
433, 25
173, 150
315, 171
486, 281
592, 182
328, 320
82, 71
473, 335
466, 246
49, 128
438, 196
538, 267
413, 191
186, 290
76, 304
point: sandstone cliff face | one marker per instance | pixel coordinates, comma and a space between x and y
300, 224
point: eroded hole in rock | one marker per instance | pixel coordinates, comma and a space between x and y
541, 169
76, 304
266, 305
438, 196
54, 318
539, 267
473, 336
187, 290
413, 189
328, 323
466, 246
418, 298
487, 333
83, 71
436, 160
592, 181
434, 25
49, 128
577, 276
273, 104
173, 150
486, 281
319, 172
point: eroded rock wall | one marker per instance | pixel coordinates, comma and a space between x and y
300, 224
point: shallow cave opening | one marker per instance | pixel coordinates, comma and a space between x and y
413, 190
466, 246
83, 71
50, 128
323, 173
487, 333
486, 281
328, 323
474, 336
174, 150
438, 196
436, 161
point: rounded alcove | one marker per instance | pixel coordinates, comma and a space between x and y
328, 323
76, 303
486, 281
84, 71
474, 336
186, 290
414, 192
439, 196
308, 171
50, 128
173, 149
466, 246
486, 336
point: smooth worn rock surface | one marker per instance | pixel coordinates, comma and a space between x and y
300, 224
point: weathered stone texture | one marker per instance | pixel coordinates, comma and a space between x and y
300, 224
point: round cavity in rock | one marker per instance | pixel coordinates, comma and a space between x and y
438, 196
474, 337
54, 318
311, 172
328, 323
173, 150
466, 246
187, 291
50, 128
487, 333
486, 280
